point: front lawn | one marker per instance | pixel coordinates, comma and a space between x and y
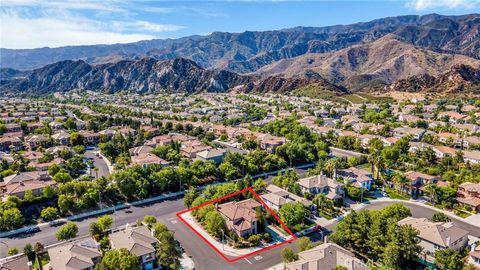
395, 194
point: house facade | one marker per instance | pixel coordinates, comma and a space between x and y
241, 217
437, 235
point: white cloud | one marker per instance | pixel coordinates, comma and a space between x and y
35, 23
20, 33
420, 5
144, 26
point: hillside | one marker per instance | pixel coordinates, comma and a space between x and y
459, 78
371, 65
145, 75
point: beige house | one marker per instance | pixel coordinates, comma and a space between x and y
18, 184
326, 257
81, 255
278, 196
139, 241
241, 217
147, 159
437, 235
469, 194
321, 184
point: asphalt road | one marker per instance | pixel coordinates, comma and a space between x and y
203, 256
419, 212
99, 163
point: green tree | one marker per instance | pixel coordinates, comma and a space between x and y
67, 231
149, 220
49, 213
10, 217
169, 251
76, 139
28, 251
190, 196
340, 267
12, 251
440, 217
293, 213
304, 243
288, 255
119, 259
448, 259
214, 223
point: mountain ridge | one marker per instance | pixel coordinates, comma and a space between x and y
250, 50
146, 75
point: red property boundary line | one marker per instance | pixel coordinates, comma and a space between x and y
232, 260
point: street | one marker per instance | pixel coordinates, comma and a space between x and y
99, 163
204, 257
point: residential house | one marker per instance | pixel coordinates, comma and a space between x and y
140, 150
472, 156
470, 141
326, 256
321, 184
139, 241
90, 137
450, 139
14, 127
437, 235
415, 133
190, 149
215, 155
241, 216
16, 263
62, 137
359, 178
417, 180
268, 142
453, 117
474, 256
147, 159
108, 133
278, 197
79, 255
56, 125
8, 143
443, 151
35, 140
17, 184
469, 194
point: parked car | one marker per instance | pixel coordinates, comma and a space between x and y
57, 222
32, 230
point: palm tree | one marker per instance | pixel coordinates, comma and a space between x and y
331, 167
38, 249
401, 180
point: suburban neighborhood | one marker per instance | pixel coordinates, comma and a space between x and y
315, 164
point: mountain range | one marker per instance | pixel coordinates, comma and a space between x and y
383, 54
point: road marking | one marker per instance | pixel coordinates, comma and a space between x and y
248, 261
258, 257
173, 221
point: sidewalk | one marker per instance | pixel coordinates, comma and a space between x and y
224, 248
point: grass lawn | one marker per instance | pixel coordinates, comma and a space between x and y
394, 194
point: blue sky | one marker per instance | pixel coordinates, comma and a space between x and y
41, 23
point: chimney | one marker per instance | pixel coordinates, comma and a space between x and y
153, 232
447, 241
473, 247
